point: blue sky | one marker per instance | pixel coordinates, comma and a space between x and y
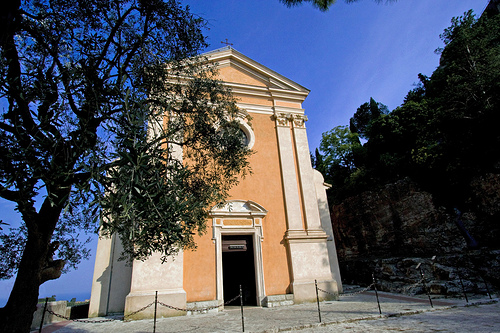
344, 56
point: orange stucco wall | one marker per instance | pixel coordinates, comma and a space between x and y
199, 270
236, 75
259, 100
288, 104
264, 186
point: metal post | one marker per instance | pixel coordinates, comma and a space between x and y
425, 286
463, 287
156, 306
317, 300
486, 285
43, 314
376, 293
241, 305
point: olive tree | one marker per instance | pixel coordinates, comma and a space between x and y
109, 120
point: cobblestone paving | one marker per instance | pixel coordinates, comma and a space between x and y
477, 319
358, 313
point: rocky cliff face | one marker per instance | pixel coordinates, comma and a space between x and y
391, 230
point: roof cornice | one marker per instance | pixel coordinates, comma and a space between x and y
282, 86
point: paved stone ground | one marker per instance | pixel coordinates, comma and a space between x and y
358, 313
477, 319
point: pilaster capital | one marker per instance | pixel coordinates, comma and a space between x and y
282, 119
299, 121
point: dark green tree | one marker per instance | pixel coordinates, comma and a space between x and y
318, 163
322, 5
365, 115
457, 137
340, 147
445, 133
99, 100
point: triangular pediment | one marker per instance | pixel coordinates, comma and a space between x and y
234, 72
236, 68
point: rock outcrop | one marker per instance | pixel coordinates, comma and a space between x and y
391, 230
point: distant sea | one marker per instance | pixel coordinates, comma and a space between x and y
82, 296
59, 297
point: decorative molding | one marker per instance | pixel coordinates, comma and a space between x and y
232, 222
285, 84
301, 236
248, 132
254, 108
243, 208
282, 119
242, 113
299, 121
287, 94
279, 108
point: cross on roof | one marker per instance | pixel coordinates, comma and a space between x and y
227, 43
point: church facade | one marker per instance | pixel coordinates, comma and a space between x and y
273, 236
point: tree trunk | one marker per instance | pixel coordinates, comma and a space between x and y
35, 268
17, 314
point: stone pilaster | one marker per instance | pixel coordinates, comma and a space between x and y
326, 224
102, 278
309, 260
150, 276
288, 173
306, 177
111, 281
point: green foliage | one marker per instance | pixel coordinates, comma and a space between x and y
99, 99
155, 200
322, 5
339, 145
317, 162
366, 114
460, 138
341, 149
445, 133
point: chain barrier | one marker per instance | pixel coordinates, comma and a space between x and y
406, 290
142, 309
348, 294
356, 292
327, 292
79, 320
199, 310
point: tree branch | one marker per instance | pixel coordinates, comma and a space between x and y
15, 90
113, 32
9, 195
7, 128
